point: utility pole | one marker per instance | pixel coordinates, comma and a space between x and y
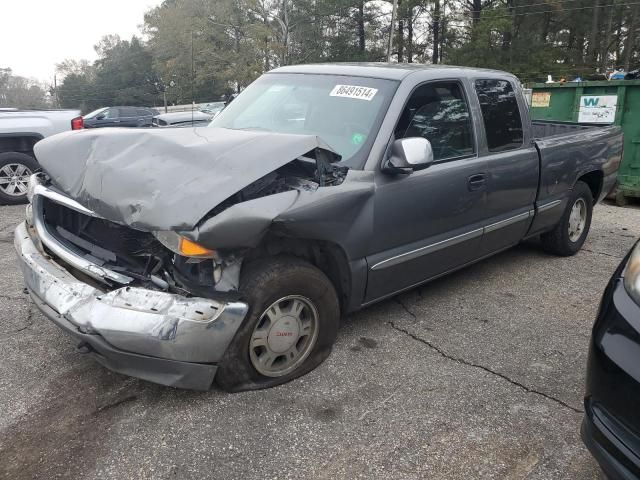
393, 21
55, 90
193, 100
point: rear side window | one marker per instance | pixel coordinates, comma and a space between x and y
501, 114
143, 112
128, 112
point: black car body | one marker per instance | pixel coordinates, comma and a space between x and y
120, 117
611, 426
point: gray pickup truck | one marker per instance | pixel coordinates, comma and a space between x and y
229, 253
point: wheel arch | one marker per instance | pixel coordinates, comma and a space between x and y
19, 142
594, 180
328, 257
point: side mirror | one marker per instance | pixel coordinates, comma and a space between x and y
409, 154
100, 117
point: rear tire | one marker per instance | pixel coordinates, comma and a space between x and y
15, 170
275, 344
570, 233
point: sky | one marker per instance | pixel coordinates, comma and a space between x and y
37, 34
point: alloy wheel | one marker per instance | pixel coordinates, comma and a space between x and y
284, 336
14, 179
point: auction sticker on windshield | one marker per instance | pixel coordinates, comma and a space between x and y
353, 91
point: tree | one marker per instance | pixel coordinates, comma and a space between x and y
208, 48
21, 92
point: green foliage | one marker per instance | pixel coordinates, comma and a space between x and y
120, 76
203, 49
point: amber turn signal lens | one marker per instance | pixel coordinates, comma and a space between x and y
192, 249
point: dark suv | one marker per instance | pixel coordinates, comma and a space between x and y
120, 117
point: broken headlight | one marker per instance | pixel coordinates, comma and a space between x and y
183, 246
632, 274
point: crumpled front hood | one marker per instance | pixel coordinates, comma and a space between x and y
164, 179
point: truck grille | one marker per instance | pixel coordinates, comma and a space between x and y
97, 240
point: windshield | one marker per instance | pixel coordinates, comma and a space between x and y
95, 113
343, 111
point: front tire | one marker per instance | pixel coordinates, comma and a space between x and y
289, 330
570, 233
15, 170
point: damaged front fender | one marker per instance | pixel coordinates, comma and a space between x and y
243, 224
341, 214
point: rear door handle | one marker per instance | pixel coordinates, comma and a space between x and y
476, 182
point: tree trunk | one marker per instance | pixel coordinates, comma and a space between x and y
284, 24
507, 35
568, 57
619, 42
400, 33
476, 9
546, 23
436, 32
475, 12
410, 35
442, 37
604, 50
592, 51
361, 34
631, 36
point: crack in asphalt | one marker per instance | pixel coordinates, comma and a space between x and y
116, 403
462, 361
602, 253
28, 320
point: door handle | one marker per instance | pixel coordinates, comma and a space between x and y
476, 182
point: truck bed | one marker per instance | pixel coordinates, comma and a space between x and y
569, 150
543, 128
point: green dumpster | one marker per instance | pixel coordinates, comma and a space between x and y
616, 102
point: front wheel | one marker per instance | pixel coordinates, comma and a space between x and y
571, 231
290, 329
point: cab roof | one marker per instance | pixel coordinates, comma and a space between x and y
387, 71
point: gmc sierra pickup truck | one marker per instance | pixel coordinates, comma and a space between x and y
230, 253
20, 130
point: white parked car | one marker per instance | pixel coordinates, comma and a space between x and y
20, 130
182, 119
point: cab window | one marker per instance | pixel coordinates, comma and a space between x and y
111, 113
439, 113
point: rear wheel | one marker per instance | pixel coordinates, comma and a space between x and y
290, 328
571, 231
15, 170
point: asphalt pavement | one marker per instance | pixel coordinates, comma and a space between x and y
477, 375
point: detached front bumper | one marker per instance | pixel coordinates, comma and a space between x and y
157, 336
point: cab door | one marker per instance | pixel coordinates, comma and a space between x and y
512, 163
430, 221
